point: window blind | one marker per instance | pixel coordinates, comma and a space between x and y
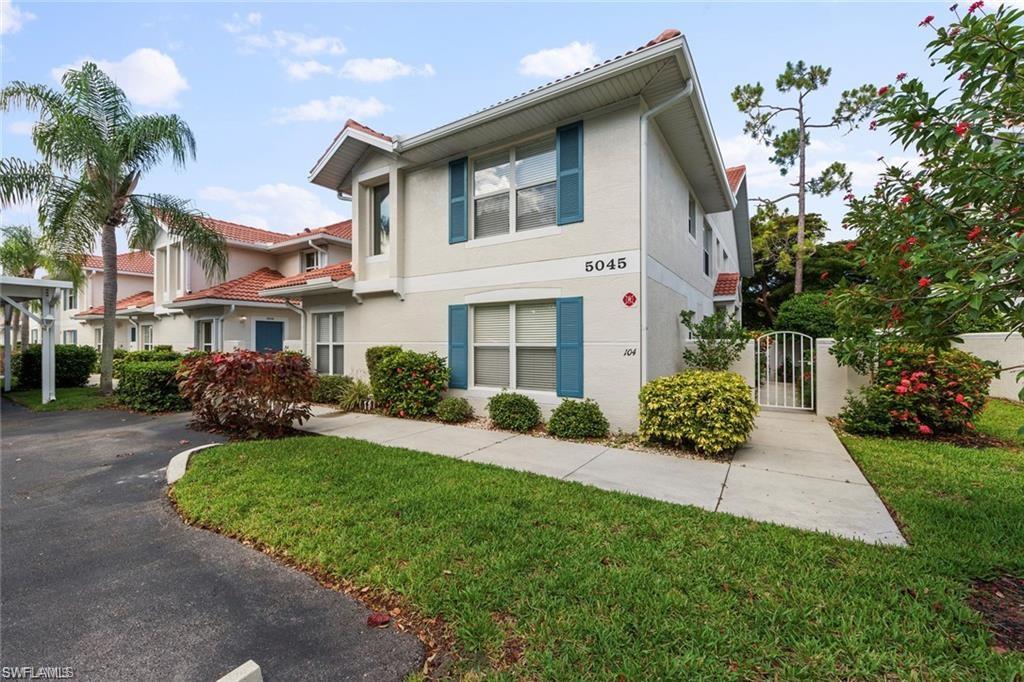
535, 368
535, 324
490, 366
490, 324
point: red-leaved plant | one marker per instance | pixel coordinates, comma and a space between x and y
248, 394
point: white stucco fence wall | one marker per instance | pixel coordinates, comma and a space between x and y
834, 382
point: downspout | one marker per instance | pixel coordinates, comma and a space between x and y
302, 324
220, 328
318, 250
644, 132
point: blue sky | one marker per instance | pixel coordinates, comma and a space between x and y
265, 86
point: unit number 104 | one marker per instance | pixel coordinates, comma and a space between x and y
601, 265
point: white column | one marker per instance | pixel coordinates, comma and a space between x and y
46, 330
7, 349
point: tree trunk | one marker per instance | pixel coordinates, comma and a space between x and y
25, 324
108, 244
15, 329
801, 199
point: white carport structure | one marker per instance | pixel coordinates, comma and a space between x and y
17, 292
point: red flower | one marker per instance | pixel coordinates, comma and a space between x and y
911, 240
882, 90
925, 429
905, 199
960, 399
975, 5
974, 233
927, 21
904, 264
970, 426
901, 75
918, 124
901, 389
964, 75
888, 363
850, 246
873, 125
961, 128
924, 282
897, 314
824, 276
849, 197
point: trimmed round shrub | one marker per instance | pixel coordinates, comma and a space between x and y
154, 355
513, 411
922, 392
409, 384
377, 353
578, 419
248, 394
72, 365
331, 388
150, 387
712, 412
357, 397
807, 313
454, 410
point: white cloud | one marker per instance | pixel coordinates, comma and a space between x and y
381, 69
12, 19
280, 206
302, 71
147, 76
240, 24
559, 61
297, 43
337, 108
19, 127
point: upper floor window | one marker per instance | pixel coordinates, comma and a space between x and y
310, 260
70, 299
524, 175
692, 221
707, 250
71, 336
381, 219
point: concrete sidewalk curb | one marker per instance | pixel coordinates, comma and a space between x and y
247, 672
176, 467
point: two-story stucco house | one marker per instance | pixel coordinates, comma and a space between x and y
545, 244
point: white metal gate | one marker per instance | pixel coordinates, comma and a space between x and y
784, 370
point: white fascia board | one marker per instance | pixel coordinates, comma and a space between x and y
354, 134
304, 240
314, 286
543, 93
207, 302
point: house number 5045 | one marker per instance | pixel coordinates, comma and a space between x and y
600, 265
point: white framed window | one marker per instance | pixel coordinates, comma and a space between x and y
691, 223
514, 346
133, 335
147, 337
97, 338
708, 264
33, 336
70, 299
204, 335
381, 219
329, 341
70, 336
515, 190
311, 260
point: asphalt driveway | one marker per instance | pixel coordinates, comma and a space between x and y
99, 574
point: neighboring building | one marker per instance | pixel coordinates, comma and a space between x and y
545, 244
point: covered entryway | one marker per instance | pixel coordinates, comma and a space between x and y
17, 292
268, 335
784, 370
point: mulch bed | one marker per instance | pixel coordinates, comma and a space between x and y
1001, 603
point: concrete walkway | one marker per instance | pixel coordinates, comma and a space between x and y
794, 471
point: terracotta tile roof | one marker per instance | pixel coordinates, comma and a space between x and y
336, 271
735, 176
244, 233
140, 262
244, 288
342, 230
139, 300
727, 283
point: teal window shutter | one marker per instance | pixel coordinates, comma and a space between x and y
569, 174
458, 206
458, 345
569, 344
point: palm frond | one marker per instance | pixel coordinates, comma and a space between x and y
176, 215
70, 217
144, 140
97, 96
47, 101
22, 181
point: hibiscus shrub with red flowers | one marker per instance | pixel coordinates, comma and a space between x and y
919, 392
409, 384
247, 394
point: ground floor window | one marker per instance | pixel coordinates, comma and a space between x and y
97, 338
514, 346
329, 339
147, 337
33, 336
132, 335
204, 335
70, 336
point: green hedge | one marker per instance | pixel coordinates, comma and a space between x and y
578, 419
513, 411
162, 354
808, 313
72, 365
150, 387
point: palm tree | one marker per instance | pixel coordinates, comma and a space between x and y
23, 252
94, 151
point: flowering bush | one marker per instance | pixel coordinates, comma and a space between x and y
711, 411
921, 392
375, 354
246, 393
409, 384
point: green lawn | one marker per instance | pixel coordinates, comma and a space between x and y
82, 398
595, 584
1001, 418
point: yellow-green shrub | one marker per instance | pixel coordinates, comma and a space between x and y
712, 412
